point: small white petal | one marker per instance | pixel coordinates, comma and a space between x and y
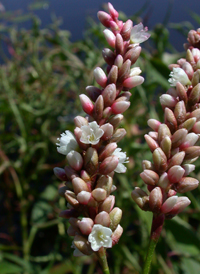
178, 75
100, 236
67, 142
122, 160
91, 133
139, 34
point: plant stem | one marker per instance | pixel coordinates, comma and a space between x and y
157, 225
103, 260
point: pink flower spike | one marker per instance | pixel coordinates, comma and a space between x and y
132, 82
100, 77
86, 103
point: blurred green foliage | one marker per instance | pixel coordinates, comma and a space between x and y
41, 76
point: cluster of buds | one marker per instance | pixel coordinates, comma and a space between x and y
92, 152
173, 143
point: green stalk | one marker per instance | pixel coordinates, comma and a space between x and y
103, 260
157, 225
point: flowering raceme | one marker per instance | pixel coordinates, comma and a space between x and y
92, 152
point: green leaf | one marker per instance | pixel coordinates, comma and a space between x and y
40, 212
10, 268
189, 266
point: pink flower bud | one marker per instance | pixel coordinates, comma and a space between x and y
104, 18
167, 100
192, 152
108, 165
169, 204
178, 137
75, 160
175, 173
133, 54
83, 197
160, 160
177, 159
180, 112
80, 121
194, 95
107, 151
115, 120
132, 82
105, 182
149, 177
85, 176
166, 145
106, 114
163, 131
71, 198
118, 135
86, 103
107, 204
126, 30
141, 198
91, 160
60, 173
116, 235
190, 140
120, 107
155, 199
99, 194
85, 226
188, 169
154, 124
112, 11
108, 56
181, 204
115, 217
78, 135
170, 119
100, 77
93, 93
109, 94
119, 61
196, 128
119, 44
113, 75
82, 245
188, 69
110, 37
102, 218
188, 124
79, 185
124, 71
98, 107
108, 131
163, 181
186, 184
151, 142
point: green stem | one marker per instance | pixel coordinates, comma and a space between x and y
103, 260
157, 225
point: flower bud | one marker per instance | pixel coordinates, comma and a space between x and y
160, 160
188, 124
147, 165
177, 159
75, 160
192, 152
78, 135
181, 92
110, 37
170, 119
181, 204
141, 198
196, 114
93, 93
118, 135
163, 181
115, 217
84, 197
169, 204
107, 151
115, 120
80, 121
167, 100
189, 56
107, 204
155, 199
120, 107
132, 82
149, 177
85, 226
60, 173
99, 194
133, 54
79, 185
91, 160
178, 137
154, 124
119, 61
175, 173
190, 140
106, 114
108, 56
151, 142
188, 69
112, 11
82, 244
166, 145
196, 128
104, 18
186, 184
163, 131
194, 95
116, 235
119, 44
105, 182
188, 169
126, 30
98, 107
100, 77
124, 71
180, 112
196, 78
71, 198
86, 103
102, 218
108, 165
109, 94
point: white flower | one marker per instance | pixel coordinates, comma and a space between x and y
139, 34
135, 72
178, 75
122, 160
91, 133
100, 236
77, 252
67, 143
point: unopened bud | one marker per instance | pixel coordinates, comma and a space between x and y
124, 71
71, 198
109, 94
104, 18
83, 197
169, 204
154, 124
188, 124
178, 137
115, 120
108, 165
60, 173
147, 165
107, 151
163, 131
167, 100
107, 204
112, 11
119, 44
85, 226
132, 82
98, 107
181, 204
99, 194
160, 160
108, 56
141, 198
105, 182
151, 142
170, 119
115, 218
192, 152
118, 135
166, 145
175, 173
119, 61
116, 235
79, 185
82, 244
75, 160
86, 103
190, 140
110, 37
102, 218
149, 177
188, 169
126, 30
80, 121
100, 77
133, 54
120, 107
155, 199
163, 181
186, 184
196, 78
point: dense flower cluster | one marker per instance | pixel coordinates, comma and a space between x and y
92, 152
173, 143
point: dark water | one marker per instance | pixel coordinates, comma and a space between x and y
74, 12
